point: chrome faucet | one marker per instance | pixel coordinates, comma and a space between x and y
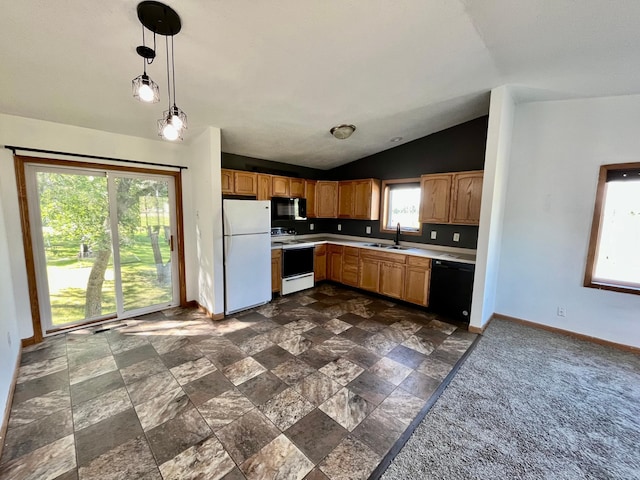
397, 240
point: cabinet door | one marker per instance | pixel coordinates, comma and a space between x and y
366, 199
345, 199
436, 198
226, 177
276, 270
245, 183
334, 263
416, 287
264, 186
280, 186
320, 263
327, 199
369, 275
392, 279
466, 195
296, 187
310, 195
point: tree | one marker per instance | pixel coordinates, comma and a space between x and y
77, 207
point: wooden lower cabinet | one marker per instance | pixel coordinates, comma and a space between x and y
369, 275
276, 270
350, 261
416, 281
334, 263
320, 263
392, 279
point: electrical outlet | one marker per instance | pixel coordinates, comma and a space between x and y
368, 230
434, 234
456, 237
339, 227
311, 226
562, 312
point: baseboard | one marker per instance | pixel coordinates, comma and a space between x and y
28, 341
208, 313
568, 333
7, 409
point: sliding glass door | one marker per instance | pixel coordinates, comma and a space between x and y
102, 243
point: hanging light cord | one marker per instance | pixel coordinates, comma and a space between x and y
168, 76
173, 72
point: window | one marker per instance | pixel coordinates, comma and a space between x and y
401, 204
613, 262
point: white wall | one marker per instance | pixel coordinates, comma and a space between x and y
204, 169
25, 132
9, 336
556, 151
496, 166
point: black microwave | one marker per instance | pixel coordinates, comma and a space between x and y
288, 208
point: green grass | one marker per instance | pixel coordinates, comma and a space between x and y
139, 278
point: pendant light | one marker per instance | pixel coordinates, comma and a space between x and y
174, 120
145, 89
162, 20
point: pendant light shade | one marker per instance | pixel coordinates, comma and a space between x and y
145, 89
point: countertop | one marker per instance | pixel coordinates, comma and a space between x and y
437, 252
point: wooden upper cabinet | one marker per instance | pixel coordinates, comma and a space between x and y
436, 198
366, 199
296, 187
326, 199
345, 199
264, 186
466, 194
310, 195
280, 186
245, 183
226, 177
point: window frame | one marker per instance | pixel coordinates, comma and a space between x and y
596, 225
384, 206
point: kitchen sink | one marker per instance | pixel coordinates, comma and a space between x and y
394, 247
378, 245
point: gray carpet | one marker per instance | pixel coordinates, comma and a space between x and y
530, 404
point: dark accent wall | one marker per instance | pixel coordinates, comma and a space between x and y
455, 149
249, 164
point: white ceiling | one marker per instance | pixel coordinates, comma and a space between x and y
276, 75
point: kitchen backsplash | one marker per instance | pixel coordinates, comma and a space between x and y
444, 233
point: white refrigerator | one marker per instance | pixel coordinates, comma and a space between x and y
247, 253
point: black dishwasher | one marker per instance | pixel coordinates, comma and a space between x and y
451, 289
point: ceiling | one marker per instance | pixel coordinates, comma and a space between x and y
276, 75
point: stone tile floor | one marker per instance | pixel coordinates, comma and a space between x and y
315, 385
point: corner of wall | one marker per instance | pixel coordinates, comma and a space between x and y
499, 133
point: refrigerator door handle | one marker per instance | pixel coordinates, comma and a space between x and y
227, 239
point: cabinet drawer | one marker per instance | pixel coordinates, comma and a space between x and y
355, 251
334, 248
418, 261
390, 257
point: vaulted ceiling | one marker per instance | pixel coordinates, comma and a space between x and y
276, 75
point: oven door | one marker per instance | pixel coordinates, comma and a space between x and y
297, 261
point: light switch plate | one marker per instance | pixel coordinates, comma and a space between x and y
311, 226
339, 227
368, 230
456, 237
434, 234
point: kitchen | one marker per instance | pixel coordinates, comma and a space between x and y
341, 236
